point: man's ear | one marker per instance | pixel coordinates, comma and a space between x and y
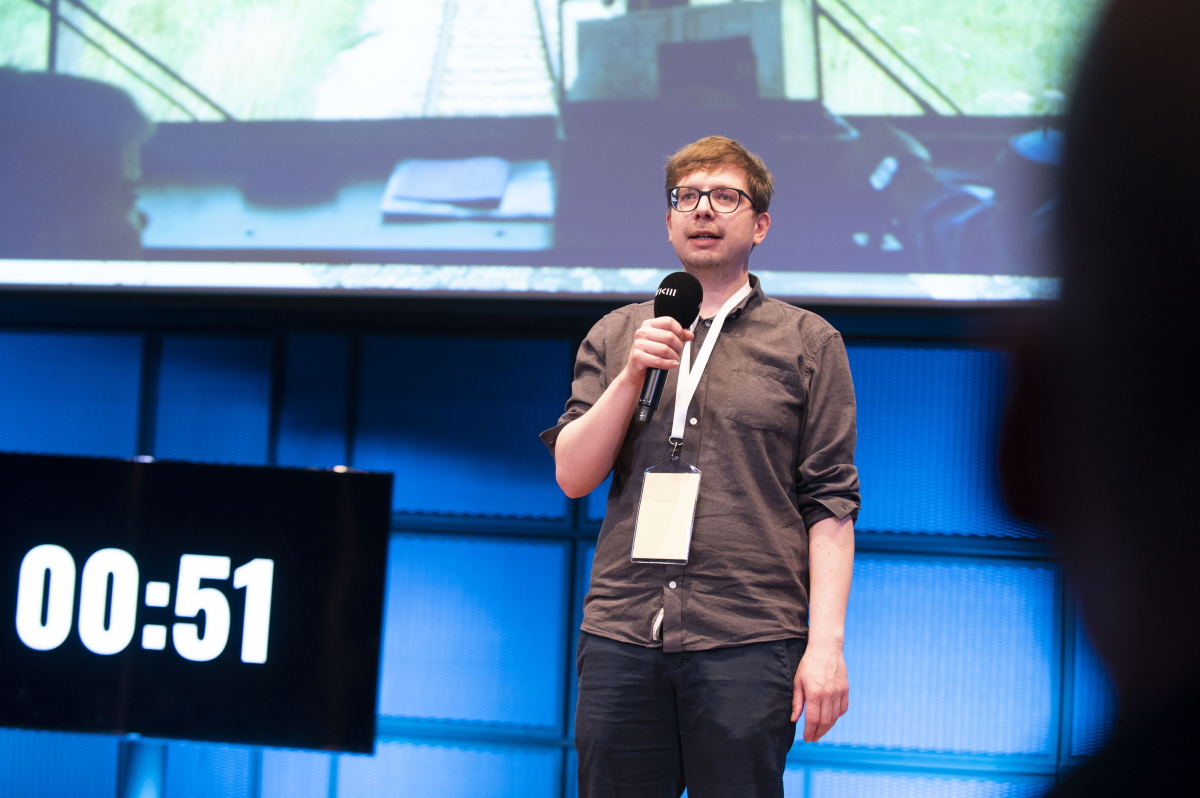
762, 223
668, 224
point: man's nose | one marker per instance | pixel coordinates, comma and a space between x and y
700, 206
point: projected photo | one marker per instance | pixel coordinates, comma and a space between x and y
906, 137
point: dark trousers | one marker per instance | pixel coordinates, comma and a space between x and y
718, 722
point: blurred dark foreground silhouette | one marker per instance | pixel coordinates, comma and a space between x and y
68, 162
1103, 436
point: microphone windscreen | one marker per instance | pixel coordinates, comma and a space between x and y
679, 296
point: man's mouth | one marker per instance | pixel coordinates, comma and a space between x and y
704, 236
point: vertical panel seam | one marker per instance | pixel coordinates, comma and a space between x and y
354, 357
147, 428
278, 386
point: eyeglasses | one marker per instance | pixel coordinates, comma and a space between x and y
686, 199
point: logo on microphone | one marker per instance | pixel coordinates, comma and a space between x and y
667, 291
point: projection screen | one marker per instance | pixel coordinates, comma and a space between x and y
516, 147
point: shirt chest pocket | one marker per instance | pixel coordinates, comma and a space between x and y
764, 398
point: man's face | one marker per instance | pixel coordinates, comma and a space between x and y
707, 241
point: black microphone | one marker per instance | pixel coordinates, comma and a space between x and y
679, 296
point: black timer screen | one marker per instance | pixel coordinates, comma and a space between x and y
204, 602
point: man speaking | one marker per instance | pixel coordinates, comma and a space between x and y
718, 593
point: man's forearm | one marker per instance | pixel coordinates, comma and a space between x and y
831, 565
587, 447
821, 688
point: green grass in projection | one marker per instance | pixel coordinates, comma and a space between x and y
258, 59
990, 57
23, 35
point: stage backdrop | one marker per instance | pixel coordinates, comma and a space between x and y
970, 675
506, 146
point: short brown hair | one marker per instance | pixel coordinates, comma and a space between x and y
713, 152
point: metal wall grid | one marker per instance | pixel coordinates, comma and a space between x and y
576, 530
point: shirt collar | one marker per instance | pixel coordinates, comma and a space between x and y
755, 296
751, 299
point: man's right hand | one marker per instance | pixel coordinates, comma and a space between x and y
657, 344
588, 446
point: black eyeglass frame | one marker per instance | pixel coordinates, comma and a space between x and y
673, 202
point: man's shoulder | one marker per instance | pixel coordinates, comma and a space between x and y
812, 328
624, 318
635, 310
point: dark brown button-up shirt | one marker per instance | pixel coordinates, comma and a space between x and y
771, 428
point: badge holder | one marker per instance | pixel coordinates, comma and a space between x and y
663, 531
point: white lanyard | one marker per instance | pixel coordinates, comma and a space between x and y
689, 375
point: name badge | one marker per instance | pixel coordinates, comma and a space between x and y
663, 531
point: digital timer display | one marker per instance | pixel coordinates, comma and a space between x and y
225, 603
108, 603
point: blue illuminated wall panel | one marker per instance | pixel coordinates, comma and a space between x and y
589, 554
457, 421
413, 770
475, 630
950, 656
295, 774
848, 784
312, 421
572, 788
793, 783
70, 394
927, 430
198, 770
50, 765
583, 576
1095, 703
214, 400
597, 501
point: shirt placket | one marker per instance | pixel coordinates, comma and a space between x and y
675, 583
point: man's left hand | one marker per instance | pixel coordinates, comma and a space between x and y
822, 685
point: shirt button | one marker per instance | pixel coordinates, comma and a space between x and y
671, 585
692, 421
708, 322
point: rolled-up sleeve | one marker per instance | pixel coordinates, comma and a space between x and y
827, 479
589, 382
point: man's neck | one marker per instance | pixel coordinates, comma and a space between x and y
718, 287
